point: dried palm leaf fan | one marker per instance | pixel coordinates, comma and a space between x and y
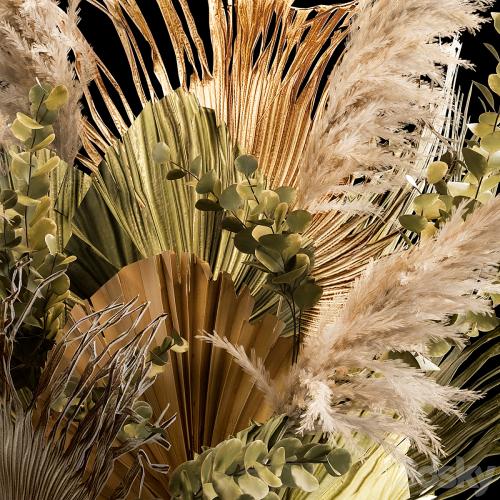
269, 59
203, 387
141, 214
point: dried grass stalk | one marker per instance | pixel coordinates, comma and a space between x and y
37, 38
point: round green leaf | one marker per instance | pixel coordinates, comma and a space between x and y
438, 348
276, 242
57, 98
270, 258
195, 166
436, 171
286, 194
225, 486
8, 198
289, 277
245, 242
254, 453
317, 452
267, 476
207, 182
246, 164
491, 142
307, 295
226, 453
338, 462
161, 152
476, 162
28, 122
300, 478
253, 486
298, 220
206, 205
230, 199
176, 173
415, 223
494, 83
231, 223
143, 409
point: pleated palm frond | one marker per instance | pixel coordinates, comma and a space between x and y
61, 441
203, 387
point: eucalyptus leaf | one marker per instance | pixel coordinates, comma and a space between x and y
415, 223
486, 93
339, 461
176, 173
206, 205
298, 220
245, 242
230, 199
231, 223
307, 295
246, 164
206, 184
195, 166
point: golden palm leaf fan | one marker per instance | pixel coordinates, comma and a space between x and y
260, 69
203, 386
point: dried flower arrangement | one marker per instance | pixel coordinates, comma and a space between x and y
268, 286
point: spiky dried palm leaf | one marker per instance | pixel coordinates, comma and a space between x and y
470, 443
203, 387
269, 59
55, 443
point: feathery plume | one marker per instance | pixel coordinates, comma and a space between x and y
345, 382
62, 440
387, 85
252, 365
402, 303
37, 37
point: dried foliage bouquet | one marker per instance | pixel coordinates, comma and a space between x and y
264, 268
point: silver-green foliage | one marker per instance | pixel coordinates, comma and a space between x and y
29, 232
259, 463
265, 226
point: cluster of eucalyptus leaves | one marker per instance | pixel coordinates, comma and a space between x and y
471, 177
139, 425
265, 226
29, 233
259, 463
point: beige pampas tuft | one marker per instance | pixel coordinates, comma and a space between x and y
345, 383
37, 37
389, 77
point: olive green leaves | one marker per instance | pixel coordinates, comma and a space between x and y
29, 231
255, 470
264, 224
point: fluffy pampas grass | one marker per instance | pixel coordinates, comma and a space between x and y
37, 37
386, 86
344, 381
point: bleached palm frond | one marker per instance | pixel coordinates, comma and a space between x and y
55, 445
